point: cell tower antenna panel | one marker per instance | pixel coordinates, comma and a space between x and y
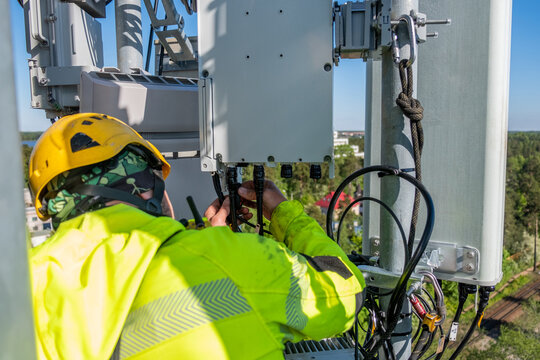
464, 155
266, 81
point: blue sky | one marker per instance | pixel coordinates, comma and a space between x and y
349, 77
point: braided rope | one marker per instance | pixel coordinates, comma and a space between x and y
413, 110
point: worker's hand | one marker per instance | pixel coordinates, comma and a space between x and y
217, 215
272, 197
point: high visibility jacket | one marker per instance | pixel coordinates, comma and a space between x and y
119, 282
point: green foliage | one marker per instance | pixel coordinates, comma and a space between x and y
519, 340
522, 189
356, 140
26, 151
30, 135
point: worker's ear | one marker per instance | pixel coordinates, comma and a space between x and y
166, 206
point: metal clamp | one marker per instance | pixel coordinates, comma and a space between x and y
381, 278
447, 257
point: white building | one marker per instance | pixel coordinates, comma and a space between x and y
345, 141
340, 141
39, 230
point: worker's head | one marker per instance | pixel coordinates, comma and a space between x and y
84, 162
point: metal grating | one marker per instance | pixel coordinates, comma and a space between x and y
145, 79
340, 347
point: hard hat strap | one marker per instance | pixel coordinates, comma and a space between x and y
151, 206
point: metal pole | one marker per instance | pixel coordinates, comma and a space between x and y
129, 48
17, 326
372, 148
396, 150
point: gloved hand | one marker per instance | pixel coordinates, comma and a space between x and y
272, 197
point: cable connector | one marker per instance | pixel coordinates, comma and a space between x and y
258, 182
484, 293
315, 172
465, 290
232, 184
286, 171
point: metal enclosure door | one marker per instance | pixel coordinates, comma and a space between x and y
266, 81
62, 40
463, 81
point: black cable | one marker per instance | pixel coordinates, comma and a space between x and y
219, 192
421, 343
424, 302
357, 347
161, 56
484, 299
232, 184
217, 187
430, 341
368, 289
388, 350
385, 206
419, 327
464, 290
361, 327
199, 222
398, 294
258, 183
435, 353
244, 221
150, 40
430, 297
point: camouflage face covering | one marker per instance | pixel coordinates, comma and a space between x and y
128, 172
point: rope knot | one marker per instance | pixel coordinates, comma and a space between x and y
411, 107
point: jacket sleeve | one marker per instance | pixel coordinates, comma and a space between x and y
301, 286
326, 288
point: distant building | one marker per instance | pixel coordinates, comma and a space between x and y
34, 223
39, 230
351, 133
345, 141
340, 140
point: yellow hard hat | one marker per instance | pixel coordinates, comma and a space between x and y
79, 140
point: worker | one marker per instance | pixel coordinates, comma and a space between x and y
120, 280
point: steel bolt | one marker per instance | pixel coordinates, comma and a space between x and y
469, 267
470, 254
376, 253
376, 242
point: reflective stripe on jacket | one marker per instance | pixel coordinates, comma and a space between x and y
109, 277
